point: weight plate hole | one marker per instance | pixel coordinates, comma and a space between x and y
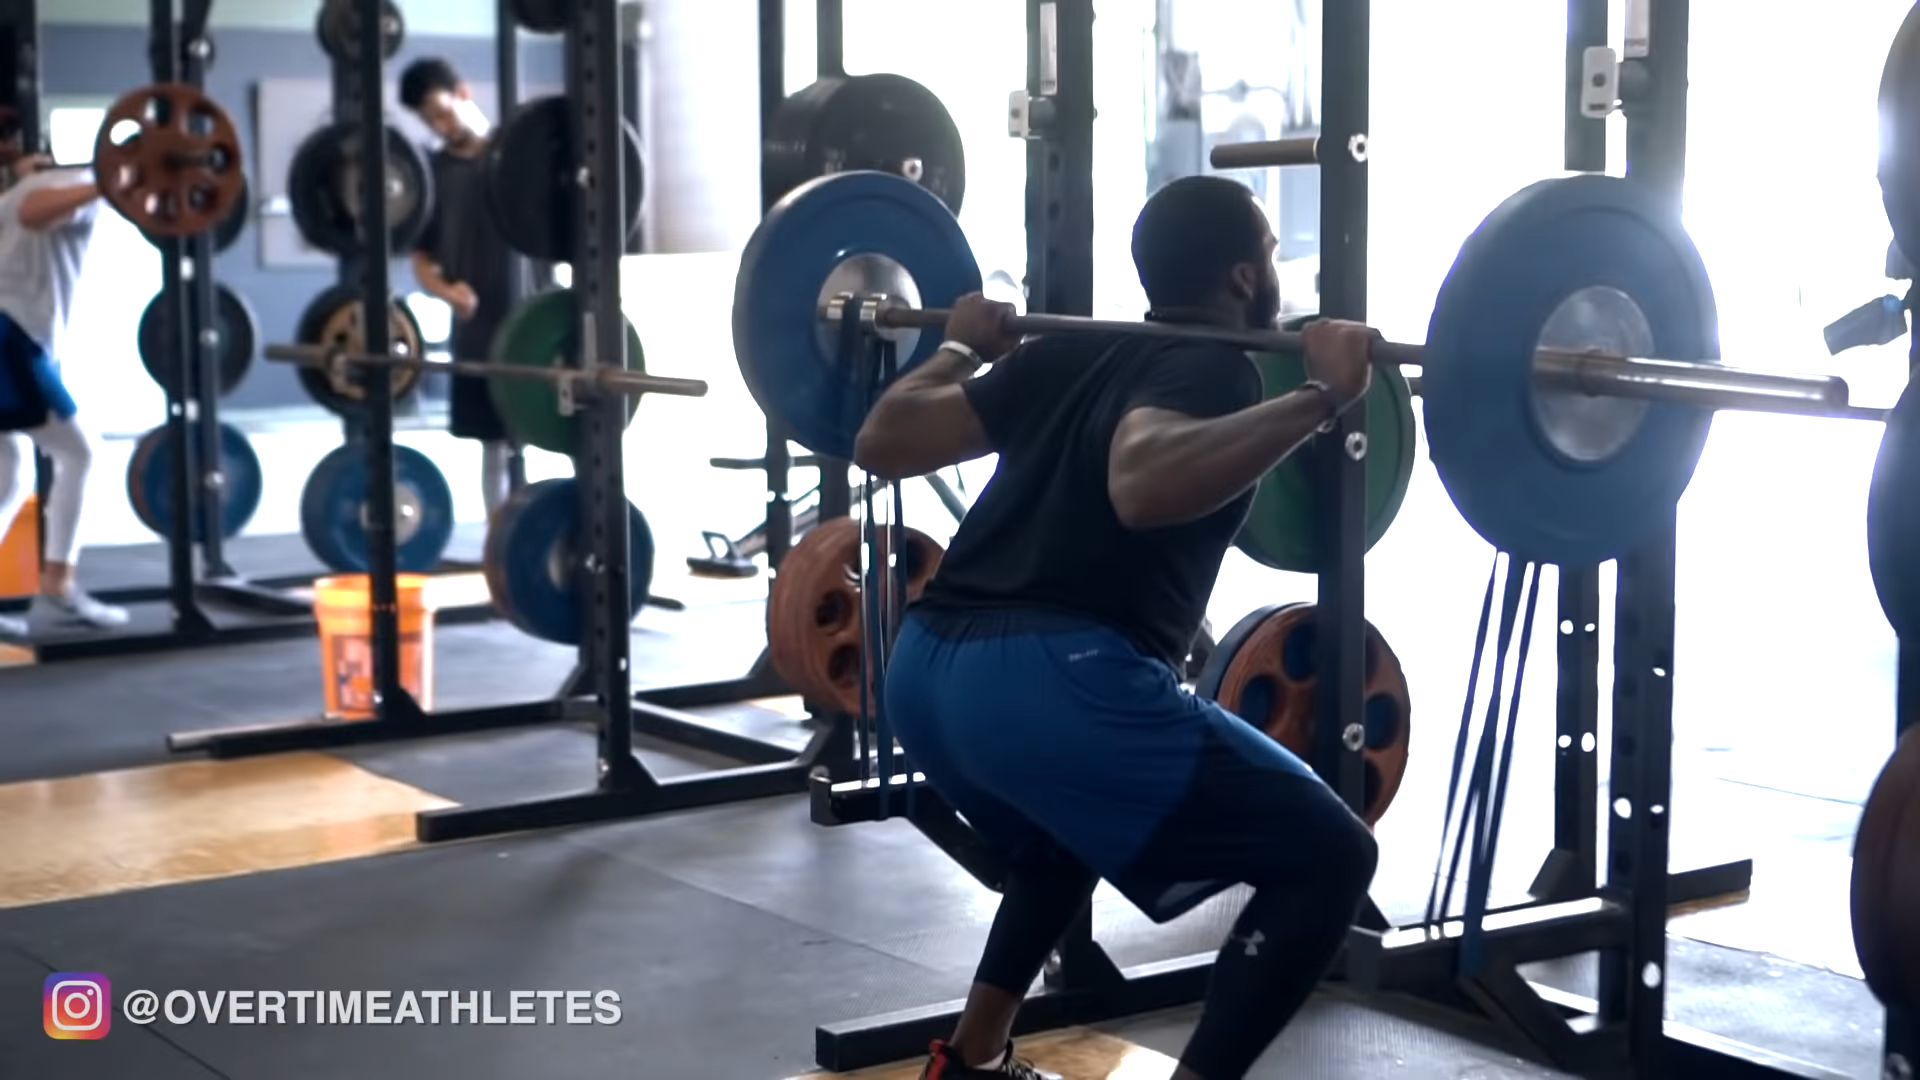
1297, 653
843, 667
1257, 700
833, 613
1382, 718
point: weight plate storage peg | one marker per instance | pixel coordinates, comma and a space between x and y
543, 331
1264, 672
532, 185
323, 189
848, 123
533, 561
168, 159
541, 16
334, 509
858, 232
1561, 477
239, 488
333, 319
1900, 136
236, 334
1885, 897
1282, 528
816, 623
338, 29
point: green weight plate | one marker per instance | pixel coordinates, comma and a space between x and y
542, 332
1280, 530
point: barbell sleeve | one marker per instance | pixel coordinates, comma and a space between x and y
1267, 154
607, 379
1675, 382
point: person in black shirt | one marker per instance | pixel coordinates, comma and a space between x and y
461, 257
1037, 681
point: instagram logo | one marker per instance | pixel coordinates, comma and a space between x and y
78, 1006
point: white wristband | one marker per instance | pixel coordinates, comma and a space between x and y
963, 349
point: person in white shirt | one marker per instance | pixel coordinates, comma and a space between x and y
47, 217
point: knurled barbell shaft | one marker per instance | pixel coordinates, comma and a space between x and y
608, 379
1267, 154
1598, 374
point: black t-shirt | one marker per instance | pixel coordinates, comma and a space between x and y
1043, 535
462, 238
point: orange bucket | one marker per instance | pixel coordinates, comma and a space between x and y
20, 552
343, 607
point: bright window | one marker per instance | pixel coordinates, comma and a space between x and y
121, 274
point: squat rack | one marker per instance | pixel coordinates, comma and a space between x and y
624, 787
1624, 918
179, 51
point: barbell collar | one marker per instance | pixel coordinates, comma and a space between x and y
607, 379
1675, 382
1267, 154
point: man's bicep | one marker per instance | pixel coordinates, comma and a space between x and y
995, 403
1198, 382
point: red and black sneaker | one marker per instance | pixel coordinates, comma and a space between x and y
943, 1063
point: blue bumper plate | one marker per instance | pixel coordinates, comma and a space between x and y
1585, 262
150, 482
335, 498
532, 565
861, 232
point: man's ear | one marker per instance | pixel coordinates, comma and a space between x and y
1243, 279
463, 92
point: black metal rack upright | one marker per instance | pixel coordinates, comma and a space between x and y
624, 786
1569, 869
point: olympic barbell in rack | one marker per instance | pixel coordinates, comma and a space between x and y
601, 378
1556, 440
1591, 374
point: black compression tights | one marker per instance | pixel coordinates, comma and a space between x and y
1280, 948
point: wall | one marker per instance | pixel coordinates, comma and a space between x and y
95, 62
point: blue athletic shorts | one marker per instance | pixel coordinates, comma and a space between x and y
1051, 733
31, 392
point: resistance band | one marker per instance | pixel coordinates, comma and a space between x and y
1483, 802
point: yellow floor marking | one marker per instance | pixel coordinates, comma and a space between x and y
1074, 1053
192, 821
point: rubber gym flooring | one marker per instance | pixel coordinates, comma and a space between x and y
729, 933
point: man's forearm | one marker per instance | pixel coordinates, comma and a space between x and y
427, 273
52, 206
1201, 465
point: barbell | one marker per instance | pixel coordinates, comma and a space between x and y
599, 378
1569, 374
1586, 373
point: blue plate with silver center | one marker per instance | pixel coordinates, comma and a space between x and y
533, 565
863, 233
333, 511
1584, 263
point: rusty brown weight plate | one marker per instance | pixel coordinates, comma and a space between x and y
1886, 880
1264, 671
814, 614
168, 159
334, 319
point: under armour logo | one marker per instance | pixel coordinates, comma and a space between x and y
1252, 942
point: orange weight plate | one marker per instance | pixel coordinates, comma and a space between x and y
1264, 671
815, 620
